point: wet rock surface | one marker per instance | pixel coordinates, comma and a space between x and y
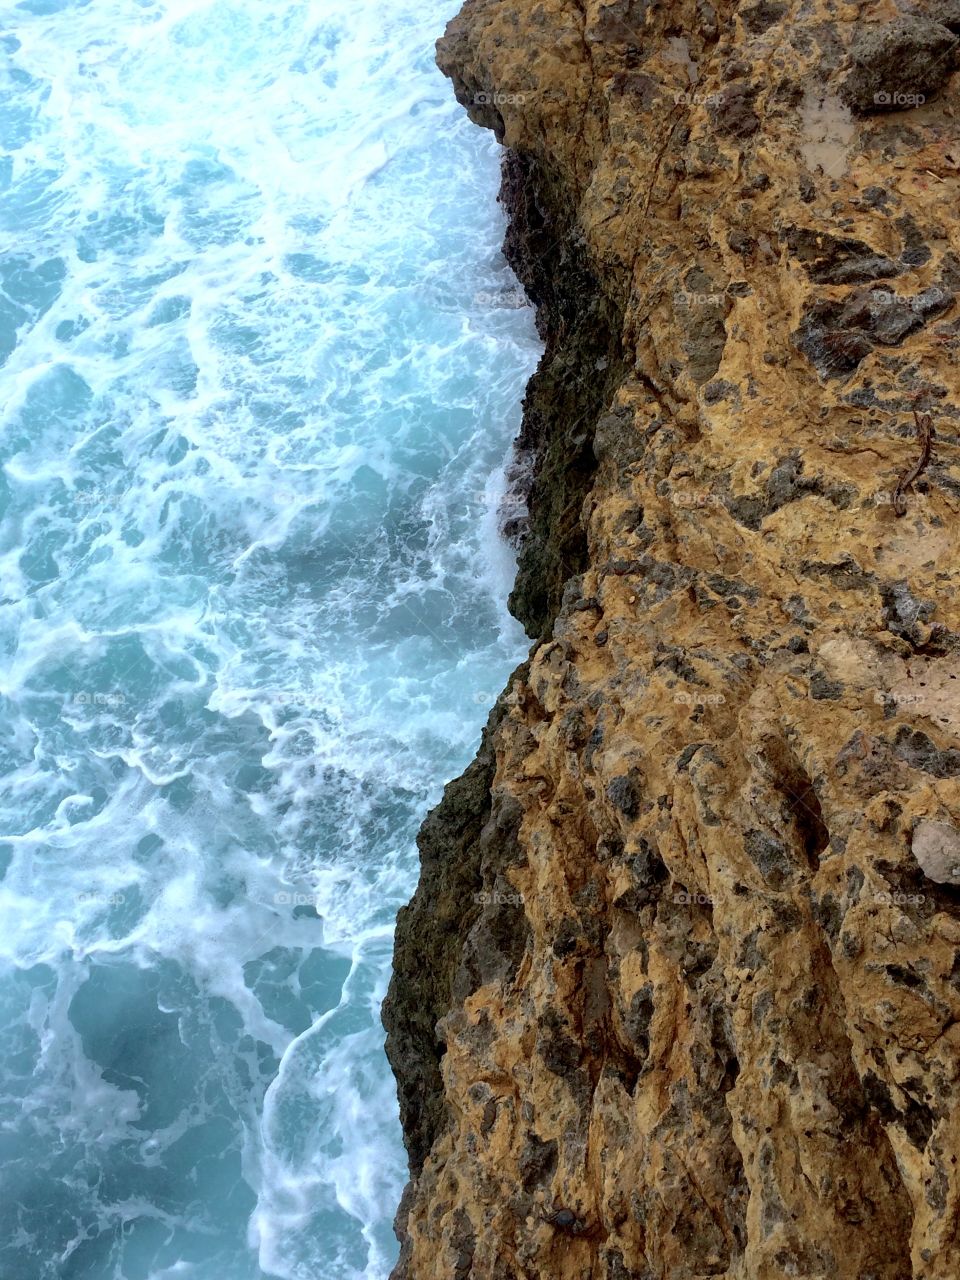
679, 992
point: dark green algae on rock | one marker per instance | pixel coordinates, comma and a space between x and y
447, 944
581, 368
465, 843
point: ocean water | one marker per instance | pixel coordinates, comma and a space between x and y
260, 365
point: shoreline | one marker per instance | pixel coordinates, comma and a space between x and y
676, 993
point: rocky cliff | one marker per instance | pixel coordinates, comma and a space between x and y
678, 994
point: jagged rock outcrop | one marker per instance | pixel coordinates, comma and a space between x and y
679, 992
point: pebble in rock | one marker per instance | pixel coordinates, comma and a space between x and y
936, 847
898, 65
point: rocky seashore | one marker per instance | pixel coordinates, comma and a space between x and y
678, 994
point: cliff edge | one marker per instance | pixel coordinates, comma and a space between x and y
678, 994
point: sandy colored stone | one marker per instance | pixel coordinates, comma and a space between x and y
673, 967
936, 847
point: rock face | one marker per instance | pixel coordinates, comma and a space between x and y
678, 994
898, 65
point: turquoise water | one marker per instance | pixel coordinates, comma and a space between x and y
256, 392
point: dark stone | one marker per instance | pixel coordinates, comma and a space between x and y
748, 510
898, 65
687, 754
566, 1220
698, 960
463, 1243
916, 256
829, 915
637, 1021
786, 483
763, 14
855, 881
642, 89
727, 587
876, 197
801, 800
920, 752
830, 260
917, 1119
673, 658
538, 1161
625, 794
719, 390
904, 977
770, 856
733, 115
489, 1116
783, 1073
567, 939
617, 439
823, 689
741, 243
832, 354
836, 334
620, 23
788, 916
648, 868
704, 353
936, 1190
902, 611
560, 1052
701, 317
707, 20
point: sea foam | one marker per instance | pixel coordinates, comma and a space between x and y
257, 391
